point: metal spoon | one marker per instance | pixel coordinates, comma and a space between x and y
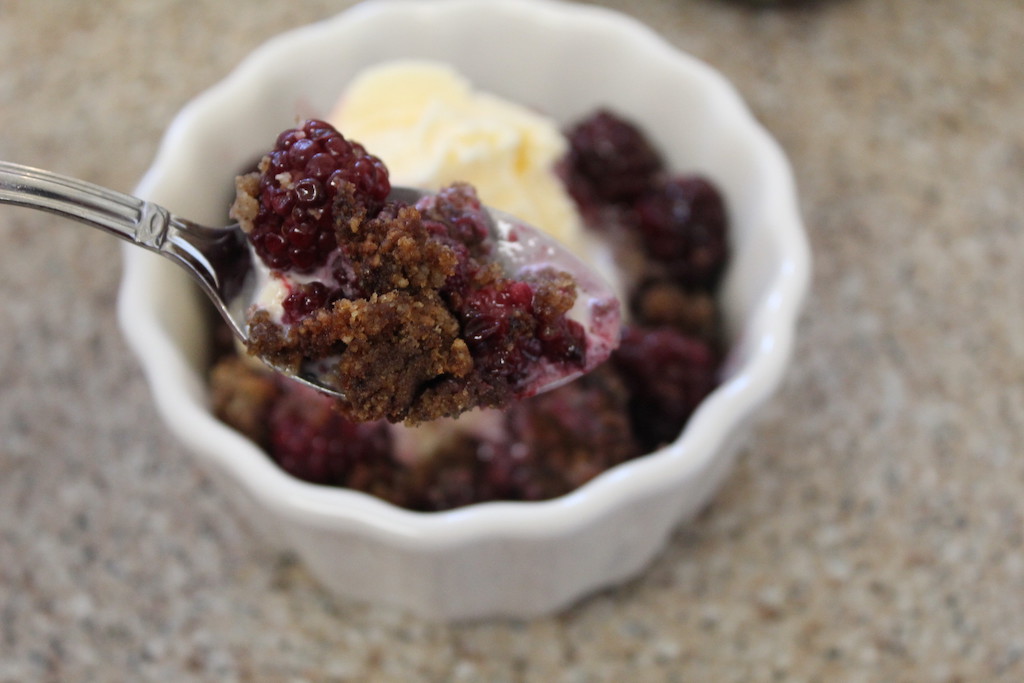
220, 260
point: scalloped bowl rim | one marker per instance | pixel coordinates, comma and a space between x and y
179, 397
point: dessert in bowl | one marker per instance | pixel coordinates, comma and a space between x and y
509, 558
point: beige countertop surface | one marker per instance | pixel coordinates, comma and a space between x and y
873, 529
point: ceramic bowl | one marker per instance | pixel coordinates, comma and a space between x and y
503, 558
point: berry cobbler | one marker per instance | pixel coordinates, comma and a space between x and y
404, 308
666, 234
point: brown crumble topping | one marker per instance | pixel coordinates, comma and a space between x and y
666, 304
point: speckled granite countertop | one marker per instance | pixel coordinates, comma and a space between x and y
873, 529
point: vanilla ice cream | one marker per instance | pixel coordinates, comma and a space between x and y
429, 126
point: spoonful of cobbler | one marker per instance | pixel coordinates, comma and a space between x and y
405, 305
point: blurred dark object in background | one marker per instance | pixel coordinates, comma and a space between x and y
781, 4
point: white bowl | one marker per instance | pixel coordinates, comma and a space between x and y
493, 559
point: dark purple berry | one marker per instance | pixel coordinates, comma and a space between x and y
308, 167
311, 440
668, 374
303, 301
683, 225
611, 158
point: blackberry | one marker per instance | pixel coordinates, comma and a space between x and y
303, 301
311, 440
455, 211
610, 158
561, 439
668, 374
510, 325
683, 225
498, 325
312, 174
556, 441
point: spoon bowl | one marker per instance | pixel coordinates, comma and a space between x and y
221, 260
